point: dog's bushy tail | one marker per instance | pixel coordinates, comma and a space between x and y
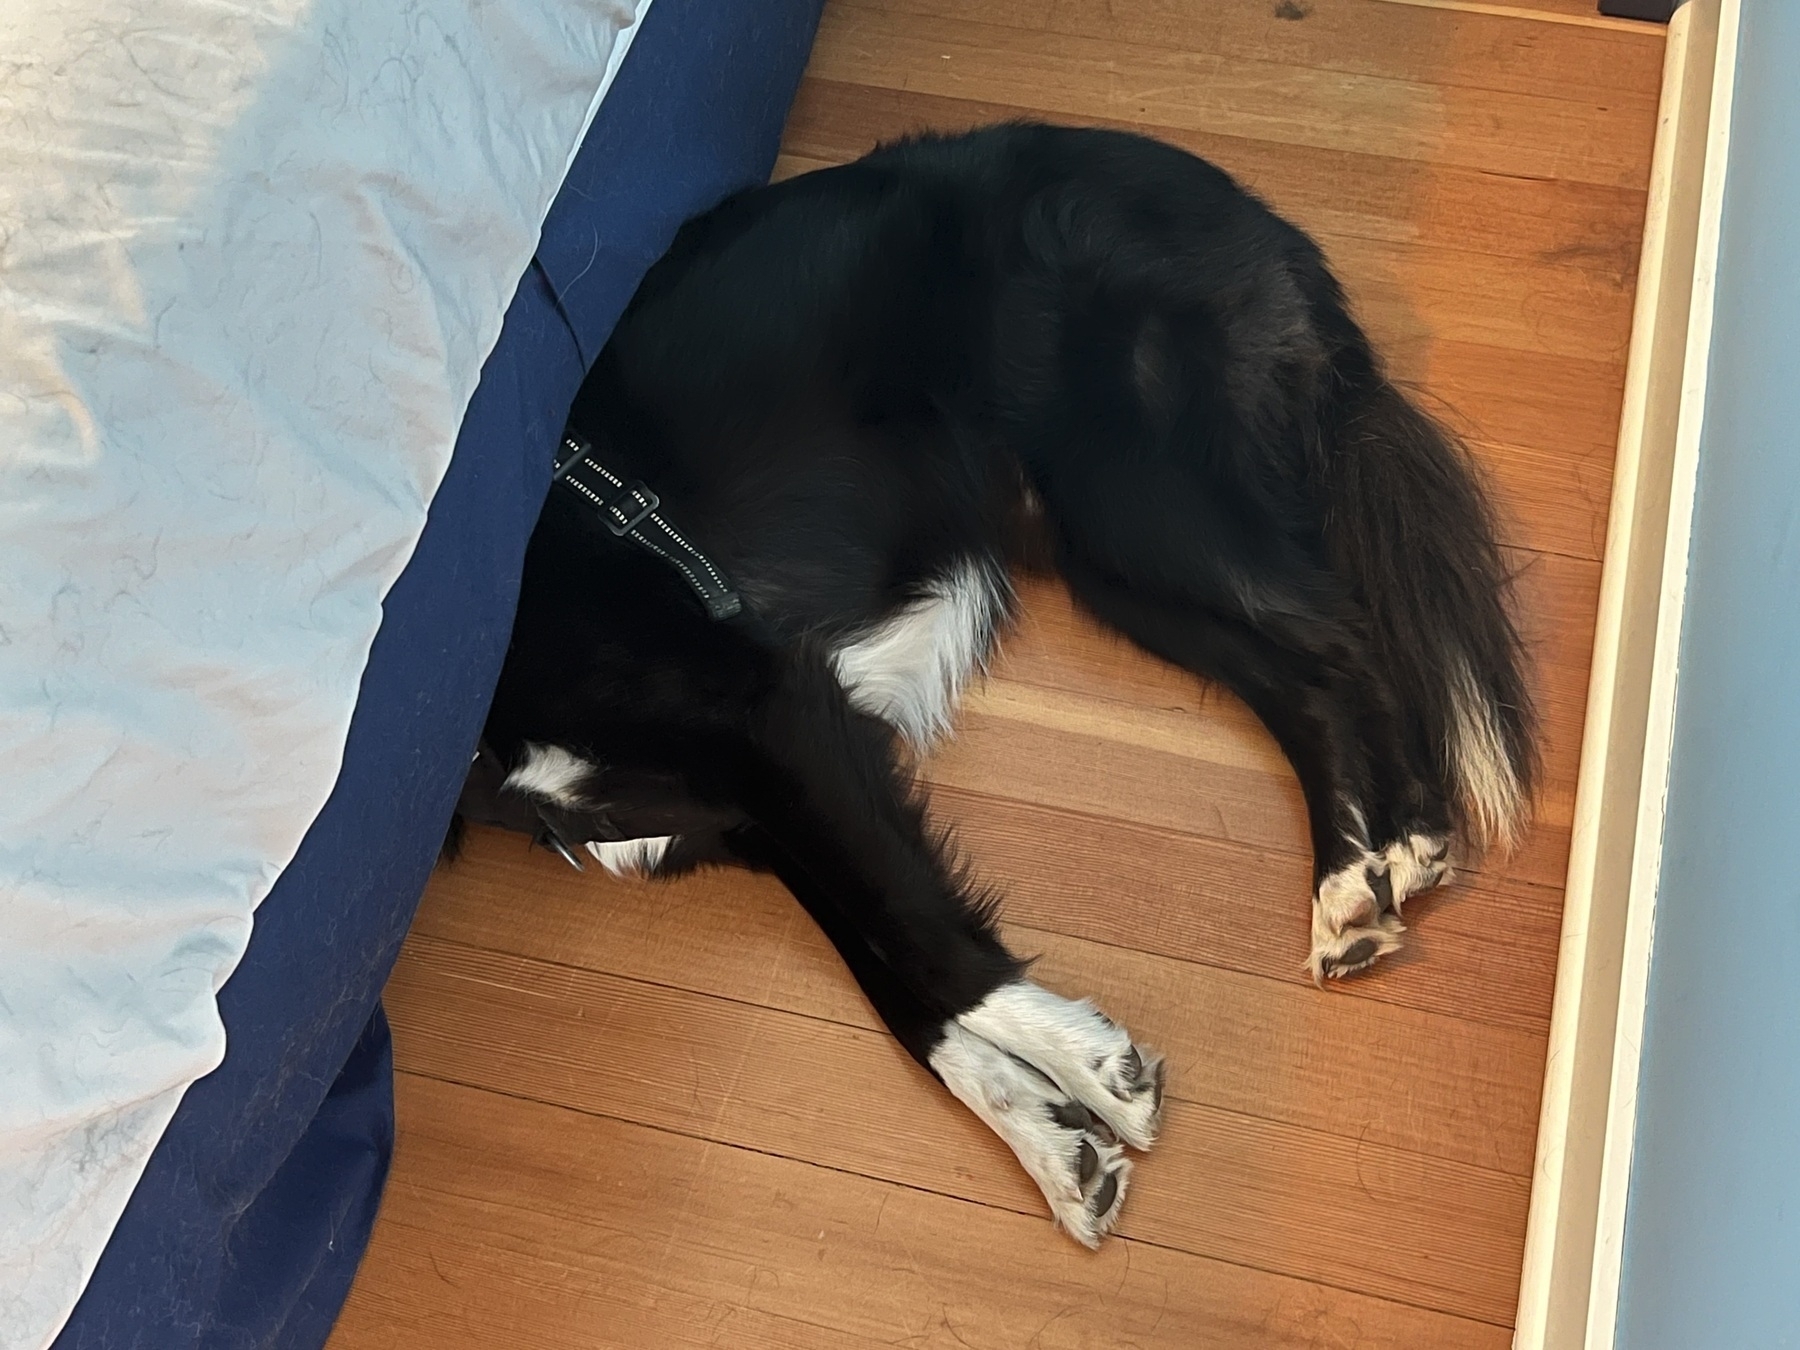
1408, 522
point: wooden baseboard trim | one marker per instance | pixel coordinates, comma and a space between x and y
1569, 1284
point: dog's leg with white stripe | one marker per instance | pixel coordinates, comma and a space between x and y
1056, 1079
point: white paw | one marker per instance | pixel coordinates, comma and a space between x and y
1348, 950
1063, 1086
1356, 913
1081, 1050
1415, 864
1353, 919
1073, 1158
1351, 897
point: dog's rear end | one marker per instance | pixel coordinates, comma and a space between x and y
843, 390
1231, 479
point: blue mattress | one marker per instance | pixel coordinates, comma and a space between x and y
256, 1206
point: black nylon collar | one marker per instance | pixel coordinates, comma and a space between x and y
629, 510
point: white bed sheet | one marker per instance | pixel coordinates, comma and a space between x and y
253, 254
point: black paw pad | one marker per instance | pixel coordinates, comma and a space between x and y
1106, 1195
1075, 1116
1072, 1116
1356, 954
1087, 1162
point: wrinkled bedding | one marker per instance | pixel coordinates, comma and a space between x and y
252, 258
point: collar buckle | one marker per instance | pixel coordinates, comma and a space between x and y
629, 508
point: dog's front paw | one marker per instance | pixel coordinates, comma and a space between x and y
1079, 1048
1065, 1088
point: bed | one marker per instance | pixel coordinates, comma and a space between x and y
283, 356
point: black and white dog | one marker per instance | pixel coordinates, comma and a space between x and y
780, 538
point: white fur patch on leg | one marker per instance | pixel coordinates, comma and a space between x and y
910, 669
551, 773
1076, 1164
631, 857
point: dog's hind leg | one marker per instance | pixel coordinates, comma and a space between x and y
836, 818
1339, 732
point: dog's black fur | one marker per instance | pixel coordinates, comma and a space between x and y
853, 385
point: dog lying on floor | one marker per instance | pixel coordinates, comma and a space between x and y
779, 540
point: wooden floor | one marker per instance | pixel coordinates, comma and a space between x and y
662, 1116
